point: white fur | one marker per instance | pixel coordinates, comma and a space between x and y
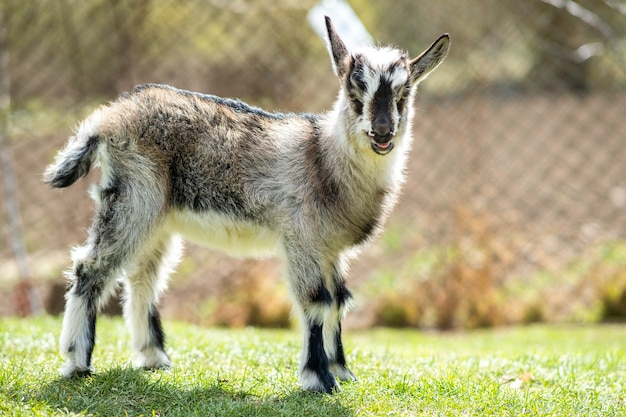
74, 340
74, 321
236, 238
143, 289
309, 381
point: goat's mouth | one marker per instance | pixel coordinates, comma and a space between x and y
382, 148
382, 142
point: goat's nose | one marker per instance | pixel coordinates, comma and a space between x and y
381, 128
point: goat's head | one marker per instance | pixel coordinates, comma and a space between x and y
378, 84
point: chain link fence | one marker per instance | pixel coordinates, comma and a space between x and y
515, 204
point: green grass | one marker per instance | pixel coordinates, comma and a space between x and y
533, 371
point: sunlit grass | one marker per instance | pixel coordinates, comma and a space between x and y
538, 370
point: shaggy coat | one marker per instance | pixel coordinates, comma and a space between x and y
309, 188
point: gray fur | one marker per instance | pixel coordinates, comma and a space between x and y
310, 188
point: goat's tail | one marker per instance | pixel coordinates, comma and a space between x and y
75, 159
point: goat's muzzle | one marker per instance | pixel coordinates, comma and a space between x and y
382, 145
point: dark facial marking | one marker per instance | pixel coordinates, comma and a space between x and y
403, 95
355, 84
380, 113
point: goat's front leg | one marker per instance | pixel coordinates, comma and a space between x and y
332, 332
314, 301
315, 372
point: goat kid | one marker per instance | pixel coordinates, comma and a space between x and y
310, 188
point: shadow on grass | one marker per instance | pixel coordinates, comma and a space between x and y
126, 391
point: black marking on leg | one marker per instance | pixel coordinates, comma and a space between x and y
156, 329
91, 333
342, 294
340, 357
338, 364
83, 286
317, 361
85, 289
322, 296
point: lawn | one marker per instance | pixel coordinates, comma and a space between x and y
533, 371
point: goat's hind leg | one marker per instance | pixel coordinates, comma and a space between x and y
91, 283
142, 290
92, 280
120, 227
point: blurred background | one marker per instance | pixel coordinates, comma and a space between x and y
514, 209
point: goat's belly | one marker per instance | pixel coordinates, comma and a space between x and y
235, 237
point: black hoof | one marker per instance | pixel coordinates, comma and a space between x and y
86, 373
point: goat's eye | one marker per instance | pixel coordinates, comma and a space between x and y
358, 84
400, 100
355, 94
401, 97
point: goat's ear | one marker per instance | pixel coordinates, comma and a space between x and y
429, 59
337, 49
